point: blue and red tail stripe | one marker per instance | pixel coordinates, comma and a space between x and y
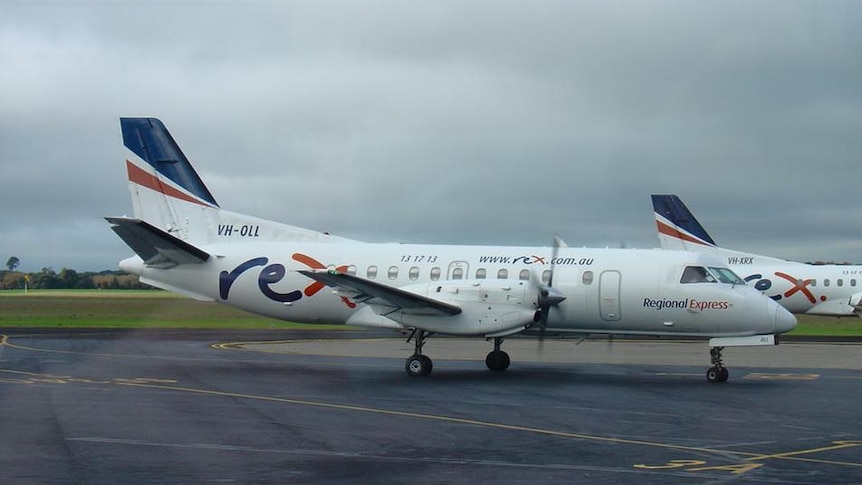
675, 220
141, 177
150, 140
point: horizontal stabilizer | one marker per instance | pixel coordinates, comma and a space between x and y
156, 247
386, 298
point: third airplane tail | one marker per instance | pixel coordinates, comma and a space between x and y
677, 226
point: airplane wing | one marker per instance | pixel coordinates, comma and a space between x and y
386, 299
156, 247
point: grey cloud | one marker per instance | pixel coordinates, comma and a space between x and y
480, 122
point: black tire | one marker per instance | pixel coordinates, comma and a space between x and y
418, 365
497, 360
717, 374
713, 374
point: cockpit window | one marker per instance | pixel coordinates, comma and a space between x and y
726, 275
696, 274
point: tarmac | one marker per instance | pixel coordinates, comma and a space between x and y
94, 407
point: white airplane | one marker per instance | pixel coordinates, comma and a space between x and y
187, 244
827, 289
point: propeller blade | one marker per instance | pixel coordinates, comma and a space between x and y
548, 296
558, 241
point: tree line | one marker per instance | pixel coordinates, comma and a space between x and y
69, 279
66, 279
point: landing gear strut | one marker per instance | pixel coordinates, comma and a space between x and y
497, 360
716, 373
418, 365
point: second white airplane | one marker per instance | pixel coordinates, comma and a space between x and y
821, 289
187, 244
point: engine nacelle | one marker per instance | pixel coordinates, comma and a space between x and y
488, 307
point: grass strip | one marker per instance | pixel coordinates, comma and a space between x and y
129, 309
162, 309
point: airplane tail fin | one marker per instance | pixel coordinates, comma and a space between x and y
166, 191
168, 195
677, 226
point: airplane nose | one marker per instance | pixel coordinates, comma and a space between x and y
784, 320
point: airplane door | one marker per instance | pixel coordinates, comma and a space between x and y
609, 295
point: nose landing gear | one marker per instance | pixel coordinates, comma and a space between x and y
716, 373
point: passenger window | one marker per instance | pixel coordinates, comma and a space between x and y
414, 273
372, 272
546, 277
393, 272
696, 274
813, 282
481, 273
853, 282
840, 282
435, 273
502, 274
458, 273
587, 278
524, 275
825, 282
351, 270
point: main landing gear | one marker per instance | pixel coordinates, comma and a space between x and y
419, 364
718, 372
497, 360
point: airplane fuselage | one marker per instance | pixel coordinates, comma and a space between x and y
802, 288
606, 290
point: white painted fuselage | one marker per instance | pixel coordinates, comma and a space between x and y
606, 290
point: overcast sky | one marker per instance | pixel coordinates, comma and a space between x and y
450, 122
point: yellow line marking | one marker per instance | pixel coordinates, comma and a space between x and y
819, 461
837, 445
240, 346
33, 378
4, 341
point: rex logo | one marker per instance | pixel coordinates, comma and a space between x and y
799, 286
271, 274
